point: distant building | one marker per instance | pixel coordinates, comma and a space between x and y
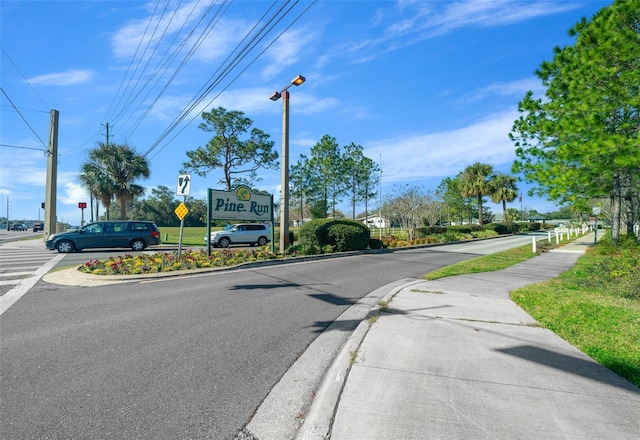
374, 221
536, 218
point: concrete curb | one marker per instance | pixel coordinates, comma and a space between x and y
317, 424
284, 410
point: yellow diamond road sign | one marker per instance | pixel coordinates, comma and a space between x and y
181, 210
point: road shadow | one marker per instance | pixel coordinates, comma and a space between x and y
574, 365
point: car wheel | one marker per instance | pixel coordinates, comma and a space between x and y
224, 242
138, 245
262, 241
65, 246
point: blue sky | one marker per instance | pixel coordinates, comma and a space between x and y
426, 87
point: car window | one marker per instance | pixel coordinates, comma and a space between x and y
139, 226
94, 228
119, 226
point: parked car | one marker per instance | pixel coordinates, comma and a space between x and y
244, 233
18, 227
134, 234
37, 227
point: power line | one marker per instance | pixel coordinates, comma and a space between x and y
46, 147
242, 53
25, 79
182, 64
124, 78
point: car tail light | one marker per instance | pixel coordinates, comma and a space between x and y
155, 234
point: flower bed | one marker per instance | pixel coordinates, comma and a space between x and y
169, 261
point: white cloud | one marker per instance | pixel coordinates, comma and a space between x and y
69, 78
287, 50
424, 156
73, 193
414, 21
516, 88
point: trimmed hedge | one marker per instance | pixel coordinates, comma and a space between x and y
533, 226
464, 229
341, 234
429, 230
503, 228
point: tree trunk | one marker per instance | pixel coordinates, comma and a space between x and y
616, 208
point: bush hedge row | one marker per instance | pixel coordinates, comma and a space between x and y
340, 234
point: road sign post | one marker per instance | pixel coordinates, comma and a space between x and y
82, 206
181, 211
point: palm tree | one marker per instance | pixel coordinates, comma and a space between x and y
112, 172
475, 180
504, 190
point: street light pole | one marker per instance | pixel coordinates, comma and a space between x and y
284, 190
284, 185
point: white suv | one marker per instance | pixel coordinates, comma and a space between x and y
244, 233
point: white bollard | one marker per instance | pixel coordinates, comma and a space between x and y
557, 239
533, 242
549, 236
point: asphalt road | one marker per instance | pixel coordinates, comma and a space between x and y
179, 358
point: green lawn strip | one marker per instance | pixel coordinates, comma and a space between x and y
191, 236
485, 263
590, 305
603, 326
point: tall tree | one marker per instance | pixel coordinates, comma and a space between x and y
475, 181
362, 174
299, 181
240, 159
112, 172
327, 170
455, 203
504, 191
582, 140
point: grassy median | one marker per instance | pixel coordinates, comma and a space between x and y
595, 305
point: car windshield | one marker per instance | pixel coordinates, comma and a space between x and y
228, 227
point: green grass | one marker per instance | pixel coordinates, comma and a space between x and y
485, 263
595, 305
192, 236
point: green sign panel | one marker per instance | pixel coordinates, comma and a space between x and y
240, 204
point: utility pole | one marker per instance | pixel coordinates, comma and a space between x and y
107, 126
50, 216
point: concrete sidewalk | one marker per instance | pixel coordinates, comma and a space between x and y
457, 359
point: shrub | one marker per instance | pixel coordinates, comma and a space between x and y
484, 234
375, 243
340, 234
347, 237
464, 229
429, 230
533, 226
502, 228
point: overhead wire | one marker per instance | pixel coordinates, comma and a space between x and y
243, 49
209, 27
131, 99
46, 147
128, 71
25, 79
257, 38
